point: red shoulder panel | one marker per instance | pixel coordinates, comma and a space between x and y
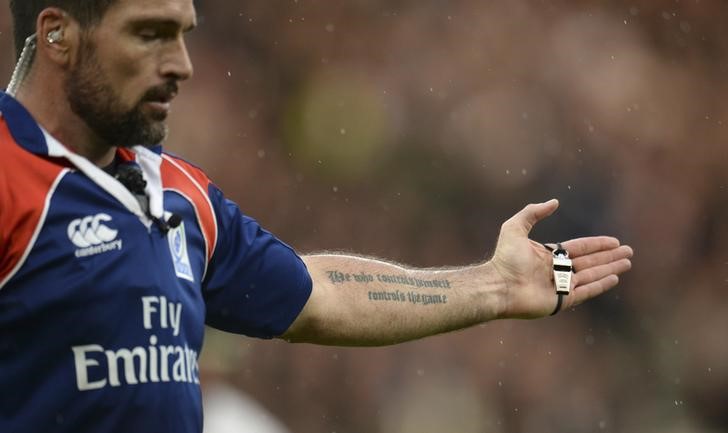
26, 184
193, 183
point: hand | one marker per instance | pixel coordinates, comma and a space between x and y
526, 266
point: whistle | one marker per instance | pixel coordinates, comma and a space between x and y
562, 273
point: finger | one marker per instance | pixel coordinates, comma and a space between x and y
602, 257
596, 273
591, 290
582, 246
524, 220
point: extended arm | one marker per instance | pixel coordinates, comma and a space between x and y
361, 301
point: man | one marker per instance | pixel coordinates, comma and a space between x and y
114, 255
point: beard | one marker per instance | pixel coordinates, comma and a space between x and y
93, 99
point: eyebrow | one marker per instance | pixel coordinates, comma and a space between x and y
164, 22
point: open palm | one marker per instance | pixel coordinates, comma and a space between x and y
526, 266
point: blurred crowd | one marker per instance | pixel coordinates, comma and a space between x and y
411, 129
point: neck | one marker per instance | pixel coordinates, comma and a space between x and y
44, 97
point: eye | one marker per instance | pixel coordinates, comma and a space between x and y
148, 35
155, 30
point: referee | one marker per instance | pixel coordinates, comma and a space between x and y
114, 255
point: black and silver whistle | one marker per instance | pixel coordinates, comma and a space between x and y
562, 271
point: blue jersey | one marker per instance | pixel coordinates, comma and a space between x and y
102, 308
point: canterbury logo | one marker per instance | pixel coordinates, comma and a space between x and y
92, 236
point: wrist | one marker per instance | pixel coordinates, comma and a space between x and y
497, 291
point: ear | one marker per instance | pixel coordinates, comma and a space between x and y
58, 36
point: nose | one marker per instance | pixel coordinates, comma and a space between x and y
177, 64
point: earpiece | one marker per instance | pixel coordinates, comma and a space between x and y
55, 36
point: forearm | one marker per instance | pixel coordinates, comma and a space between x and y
360, 301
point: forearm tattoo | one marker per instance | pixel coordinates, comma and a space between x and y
413, 295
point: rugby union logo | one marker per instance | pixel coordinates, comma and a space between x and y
93, 236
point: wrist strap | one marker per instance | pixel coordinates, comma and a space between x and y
559, 301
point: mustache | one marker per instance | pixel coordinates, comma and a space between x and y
164, 93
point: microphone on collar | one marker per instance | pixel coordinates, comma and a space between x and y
172, 222
130, 175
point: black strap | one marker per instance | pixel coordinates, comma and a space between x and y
560, 250
559, 301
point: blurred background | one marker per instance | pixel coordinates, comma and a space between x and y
411, 129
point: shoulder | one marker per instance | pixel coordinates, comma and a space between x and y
175, 167
191, 182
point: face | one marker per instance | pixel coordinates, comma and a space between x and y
128, 68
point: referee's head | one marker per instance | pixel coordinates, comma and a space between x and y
101, 72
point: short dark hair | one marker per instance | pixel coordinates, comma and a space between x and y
25, 14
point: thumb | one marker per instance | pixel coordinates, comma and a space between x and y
524, 220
